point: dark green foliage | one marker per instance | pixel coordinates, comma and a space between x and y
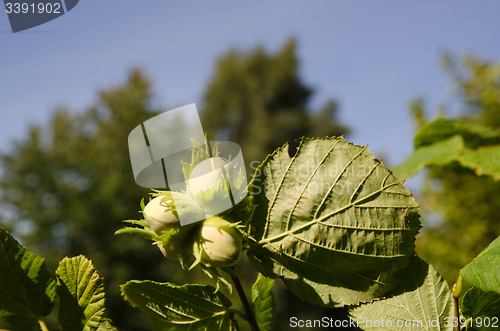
483, 309
263, 304
27, 291
480, 303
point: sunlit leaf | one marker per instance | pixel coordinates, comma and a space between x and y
484, 271
440, 153
444, 141
81, 293
332, 221
484, 161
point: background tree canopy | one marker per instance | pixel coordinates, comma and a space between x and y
70, 181
466, 205
66, 186
259, 101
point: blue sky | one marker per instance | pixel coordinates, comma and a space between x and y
372, 56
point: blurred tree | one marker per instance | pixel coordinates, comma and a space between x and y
259, 101
68, 185
71, 184
466, 205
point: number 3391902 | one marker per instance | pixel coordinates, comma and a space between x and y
40, 8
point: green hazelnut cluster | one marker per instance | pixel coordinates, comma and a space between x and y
213, 237
220, 240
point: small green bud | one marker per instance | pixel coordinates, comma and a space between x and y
159, 217
221, 243
457, 287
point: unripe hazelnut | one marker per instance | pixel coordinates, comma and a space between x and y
171, 250
221, 243
159, 217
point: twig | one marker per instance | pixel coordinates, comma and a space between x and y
457, 314
248, 310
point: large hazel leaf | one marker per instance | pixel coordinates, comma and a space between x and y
421, 301
81, 292
332, 221
484, 271
263, 303
187, 307
27, 291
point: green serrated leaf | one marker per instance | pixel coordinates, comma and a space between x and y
479, 303
332, 221
421, 301
440, 153
27, 291
187, 307
484, 271
263, 303
81, 292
